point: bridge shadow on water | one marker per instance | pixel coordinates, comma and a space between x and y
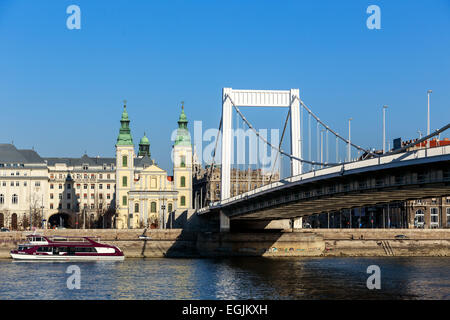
320, 277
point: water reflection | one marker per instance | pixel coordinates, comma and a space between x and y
237, 278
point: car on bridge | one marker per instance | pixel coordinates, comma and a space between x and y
4, 230
401, 236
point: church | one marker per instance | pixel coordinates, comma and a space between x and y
145, 194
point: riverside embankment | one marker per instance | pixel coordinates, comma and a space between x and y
305, 242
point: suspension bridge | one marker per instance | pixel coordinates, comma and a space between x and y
318, 185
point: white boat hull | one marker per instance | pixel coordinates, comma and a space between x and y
28, 257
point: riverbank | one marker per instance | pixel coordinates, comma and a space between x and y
301, 242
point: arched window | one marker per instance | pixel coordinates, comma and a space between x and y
153, 207
183, 181
15, 199
124, 181
170, 208
182, 161
124, 161
14, 221
2, 199
183, 200
136, 207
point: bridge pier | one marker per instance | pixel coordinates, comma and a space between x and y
224, 222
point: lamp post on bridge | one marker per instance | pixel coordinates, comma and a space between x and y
384, 129
349, 139
428, 116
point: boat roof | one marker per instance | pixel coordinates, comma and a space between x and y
66, 239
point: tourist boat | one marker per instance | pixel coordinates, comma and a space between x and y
60, 248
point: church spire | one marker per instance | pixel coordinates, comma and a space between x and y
124, 138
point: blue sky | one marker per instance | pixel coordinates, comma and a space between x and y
61, 90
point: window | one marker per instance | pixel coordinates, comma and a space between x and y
124, 181
68, 196
68, 206
85, 186
108, 176
68, 186
78, 186
170, 207
92, 206
85, 196
51, 195
108, 196
108, 186
183, 201
24, 183
12, 183
92, 176
153, 207
434, 215
100, 186
92, 186
18, 184
183, 161
124, 161
183, 181
60, 196
136, 207
51, 205
15, 199
60, 186
100, 196
124, 200
448, 216
419, 219
2, 199
92, 196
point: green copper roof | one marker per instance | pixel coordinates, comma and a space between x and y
144, 140
183, 137
124, 138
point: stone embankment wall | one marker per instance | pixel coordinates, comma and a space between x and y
302, 242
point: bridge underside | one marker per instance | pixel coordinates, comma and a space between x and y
345, 201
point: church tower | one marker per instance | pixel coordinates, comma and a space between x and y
144, 147
182, 163
124, 171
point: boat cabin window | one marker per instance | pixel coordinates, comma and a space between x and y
21, 248
37, 239
44, 249
57, 250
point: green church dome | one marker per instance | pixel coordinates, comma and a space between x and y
144, 140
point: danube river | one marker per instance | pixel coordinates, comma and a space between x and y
236, 278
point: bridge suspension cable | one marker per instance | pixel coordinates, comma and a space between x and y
332, 131
279, 150
271, 145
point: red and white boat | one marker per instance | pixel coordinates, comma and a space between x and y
65, 249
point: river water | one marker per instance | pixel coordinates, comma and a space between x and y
233, 278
